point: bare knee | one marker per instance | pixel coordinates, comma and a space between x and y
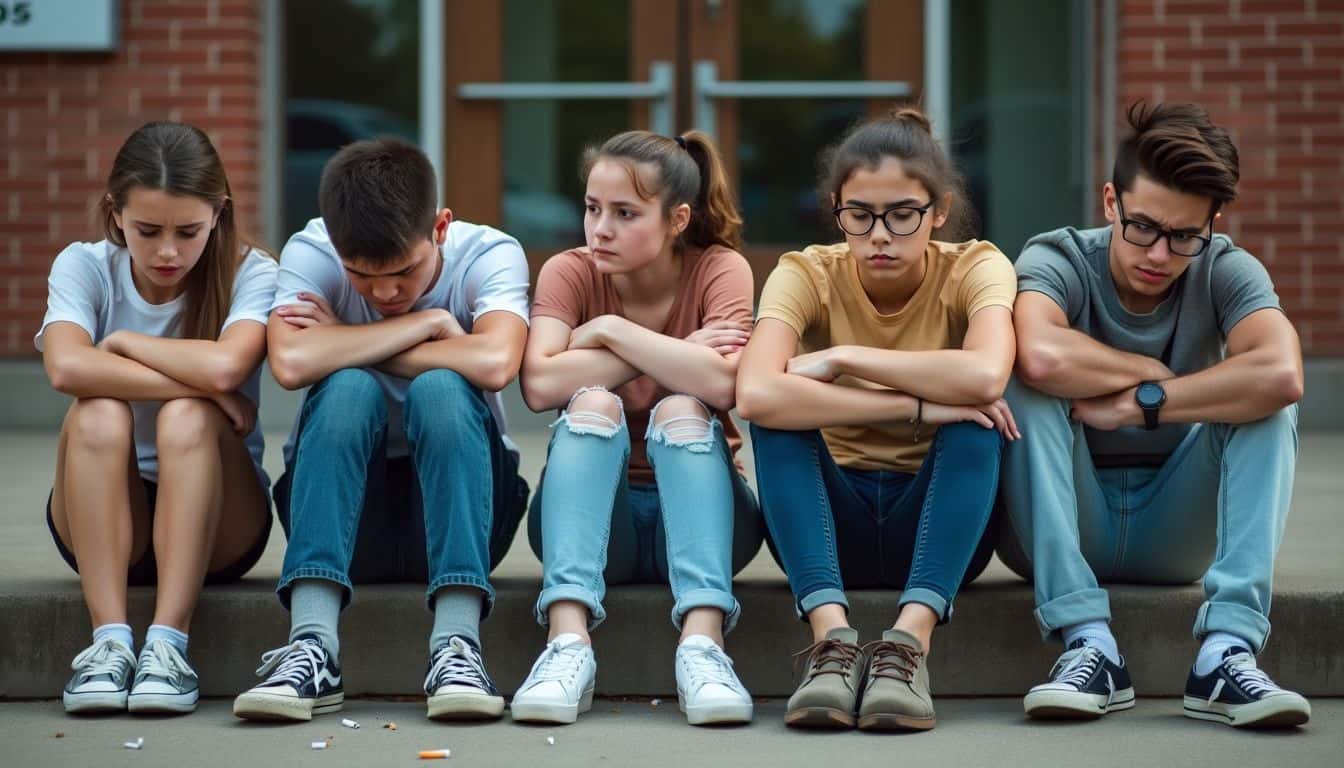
681, 420
186, 424
100, 423
594, 411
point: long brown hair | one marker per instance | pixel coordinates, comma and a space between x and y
689, 171
905, 134
180, 160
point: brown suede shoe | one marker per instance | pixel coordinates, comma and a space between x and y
830, 686
896, 692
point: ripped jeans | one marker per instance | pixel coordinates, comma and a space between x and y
693, 529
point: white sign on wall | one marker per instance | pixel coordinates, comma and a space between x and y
59, 25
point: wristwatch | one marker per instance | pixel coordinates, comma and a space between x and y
1150, 396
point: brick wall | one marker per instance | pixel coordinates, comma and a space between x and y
1272, 72
64, 115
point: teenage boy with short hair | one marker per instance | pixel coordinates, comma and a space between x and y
406, 324
1157, 382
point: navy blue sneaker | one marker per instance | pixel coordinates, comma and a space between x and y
302, 680
1240, 694
1084, 684
458, 686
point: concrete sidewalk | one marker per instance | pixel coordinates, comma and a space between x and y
971, 732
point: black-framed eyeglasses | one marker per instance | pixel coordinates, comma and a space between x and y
900, 221
1145, 235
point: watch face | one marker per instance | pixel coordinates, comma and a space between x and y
1150, 395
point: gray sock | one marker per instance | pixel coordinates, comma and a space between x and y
457, 611
315, 609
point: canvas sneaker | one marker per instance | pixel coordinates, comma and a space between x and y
301, 680
560, 685
164, 681
708, 690
457, 684
102, 679
1240, 694
1084, 684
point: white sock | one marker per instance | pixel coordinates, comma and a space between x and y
1095, 633
120, 632
174, 637
1211, 652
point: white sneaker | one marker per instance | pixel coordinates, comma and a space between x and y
164, 681
560, 685
102, 678
708, 690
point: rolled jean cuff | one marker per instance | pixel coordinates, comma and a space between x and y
939, 604
577, 594
1248, 624
807, 603
282, 589
707, 598
462, 580
1070, 609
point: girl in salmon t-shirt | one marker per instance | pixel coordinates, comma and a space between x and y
635, 338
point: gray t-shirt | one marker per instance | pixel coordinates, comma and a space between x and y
1221, 286
484, 270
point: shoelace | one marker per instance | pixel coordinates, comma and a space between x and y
106, 658
1076, 666
559, 662
1251, 678
836, 653
292, 663
161, 659
710, 665
457, 663
897, 661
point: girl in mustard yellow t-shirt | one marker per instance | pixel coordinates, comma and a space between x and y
873, 381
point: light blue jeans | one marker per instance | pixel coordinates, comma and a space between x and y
693, 529
1217, 508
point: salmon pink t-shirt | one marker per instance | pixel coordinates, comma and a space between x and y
715, 285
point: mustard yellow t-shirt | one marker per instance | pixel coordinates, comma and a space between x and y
817, 293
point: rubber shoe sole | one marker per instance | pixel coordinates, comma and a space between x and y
162, 703
1074, 705
465, 706
880, 721
270, 707
715, 714
540, 712
819, 717
92, 702
1284, 711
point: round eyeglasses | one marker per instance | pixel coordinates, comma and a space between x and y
900, 220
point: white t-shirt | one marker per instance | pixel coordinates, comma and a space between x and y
484, 270
91, 286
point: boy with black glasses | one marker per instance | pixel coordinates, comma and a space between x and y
1157, 382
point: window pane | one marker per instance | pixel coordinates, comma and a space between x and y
351, 72
779, 139
558, 41
1019, 116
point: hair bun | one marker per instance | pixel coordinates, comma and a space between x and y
912, 115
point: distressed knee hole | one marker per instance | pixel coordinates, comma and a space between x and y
593, 411
681, 421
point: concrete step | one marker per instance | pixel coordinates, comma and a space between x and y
991, 648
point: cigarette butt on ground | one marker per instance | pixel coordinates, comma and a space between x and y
435, 754
319, 745
348, 723
655, 702
550, 740
390, 726
139, 743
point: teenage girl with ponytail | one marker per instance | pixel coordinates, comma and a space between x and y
158, 333
635, 339
873, 381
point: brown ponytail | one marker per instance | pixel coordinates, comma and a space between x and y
689, 170
906, 134
180, 160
